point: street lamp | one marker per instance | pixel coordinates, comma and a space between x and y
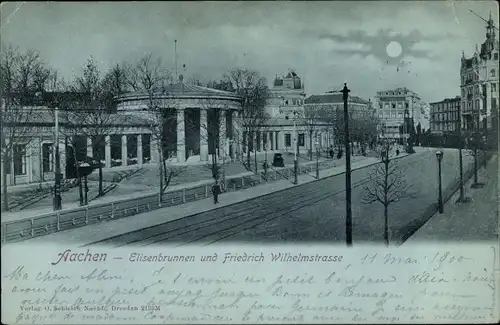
317, 159
439, 155
57, 186
348, 220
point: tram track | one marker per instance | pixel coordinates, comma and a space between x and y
237, 221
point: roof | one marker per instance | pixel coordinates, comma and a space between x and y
44, 116
332, 99
180, 89
456, 99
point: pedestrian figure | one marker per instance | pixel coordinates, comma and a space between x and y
216, 191
331, 152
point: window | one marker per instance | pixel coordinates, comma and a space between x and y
495, 56
48, 156
288, 140
286, 102
493, 87
477, 104
20, 159
393, 105
406, 105
400, 115
492, 72
302, 140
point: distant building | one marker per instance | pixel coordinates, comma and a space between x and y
332, 107
287, 95
287, 125
445, 116
479, 84
396, 106
358, 107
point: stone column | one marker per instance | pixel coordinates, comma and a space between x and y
139, 149
237, 135
153, 148
203, 135
181, 136
276, 141
29, 161
36, 158
107, 151
124, 150
12, 173
222, 133
90, 152
62, 157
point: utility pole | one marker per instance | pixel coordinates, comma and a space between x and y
460, 160
175, 57
57, 185
348, 219
295, 149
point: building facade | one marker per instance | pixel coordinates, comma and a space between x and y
32, 156
287, 125
445, 116
331, 107
479, 84
197, 122
396, 106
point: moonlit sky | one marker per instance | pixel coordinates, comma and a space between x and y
326, 43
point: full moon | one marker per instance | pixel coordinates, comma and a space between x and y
394, 49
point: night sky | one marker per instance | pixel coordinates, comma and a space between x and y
326, 43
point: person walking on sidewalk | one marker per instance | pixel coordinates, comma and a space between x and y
216, 191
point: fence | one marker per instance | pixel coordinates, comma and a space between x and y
19, 230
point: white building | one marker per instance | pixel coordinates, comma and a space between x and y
288, 125
393, 106
479, 83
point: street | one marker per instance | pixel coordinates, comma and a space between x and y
310, 212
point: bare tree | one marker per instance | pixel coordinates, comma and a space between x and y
23, 77
312, 123
150, 76
254, 93
387, 184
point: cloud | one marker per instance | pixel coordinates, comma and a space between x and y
376, 44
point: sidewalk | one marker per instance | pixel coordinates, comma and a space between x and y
122, 191
100, 231
476, 220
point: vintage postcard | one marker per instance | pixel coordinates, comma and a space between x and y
249, 162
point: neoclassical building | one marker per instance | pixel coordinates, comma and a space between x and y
288, 126
197, 123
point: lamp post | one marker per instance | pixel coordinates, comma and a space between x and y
295, 149
57, 176
439, 155
348, 219
317, 159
